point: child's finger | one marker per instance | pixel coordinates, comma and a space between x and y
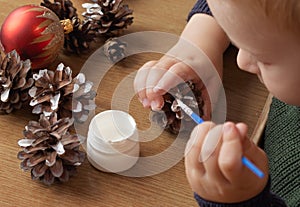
178, 73
155, 74
231, 153
210, 153
243, 129
153, 78
193, 148
157, 103
141, 80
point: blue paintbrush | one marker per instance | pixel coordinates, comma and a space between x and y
199, 120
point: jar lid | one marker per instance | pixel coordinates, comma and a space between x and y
113, 126
112, 131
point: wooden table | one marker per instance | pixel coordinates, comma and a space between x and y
245, 96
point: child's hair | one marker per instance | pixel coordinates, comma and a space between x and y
284, 13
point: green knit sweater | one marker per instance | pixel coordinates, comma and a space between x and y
282, 145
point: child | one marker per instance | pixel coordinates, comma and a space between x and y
267, 33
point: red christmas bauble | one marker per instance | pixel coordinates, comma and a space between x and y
35, 33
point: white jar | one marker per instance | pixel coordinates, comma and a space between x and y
112, 141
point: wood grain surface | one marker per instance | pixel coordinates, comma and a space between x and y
246, 98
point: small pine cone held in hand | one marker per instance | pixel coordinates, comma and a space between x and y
49, 151
171, 117
57, 91
108, 17
15, 81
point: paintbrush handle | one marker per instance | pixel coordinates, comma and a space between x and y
196, 118
252, 167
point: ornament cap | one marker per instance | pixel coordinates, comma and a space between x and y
67, 25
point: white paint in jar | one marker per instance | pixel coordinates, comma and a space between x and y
112, 141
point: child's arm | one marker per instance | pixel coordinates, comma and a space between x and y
205, 33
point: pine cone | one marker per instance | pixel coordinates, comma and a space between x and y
77, 40
58, 92
15, 81
49, 151
171, 117
64, 9
114, 49
108, 16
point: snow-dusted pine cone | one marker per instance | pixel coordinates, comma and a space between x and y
15, 81
49, 151
108, 16
79, 37
114, 49
171, 117
59, 92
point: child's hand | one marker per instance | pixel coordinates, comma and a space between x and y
155, 78
213, 163
199, 54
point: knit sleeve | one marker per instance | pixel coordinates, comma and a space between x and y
265, 198
282, 145
201, 6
